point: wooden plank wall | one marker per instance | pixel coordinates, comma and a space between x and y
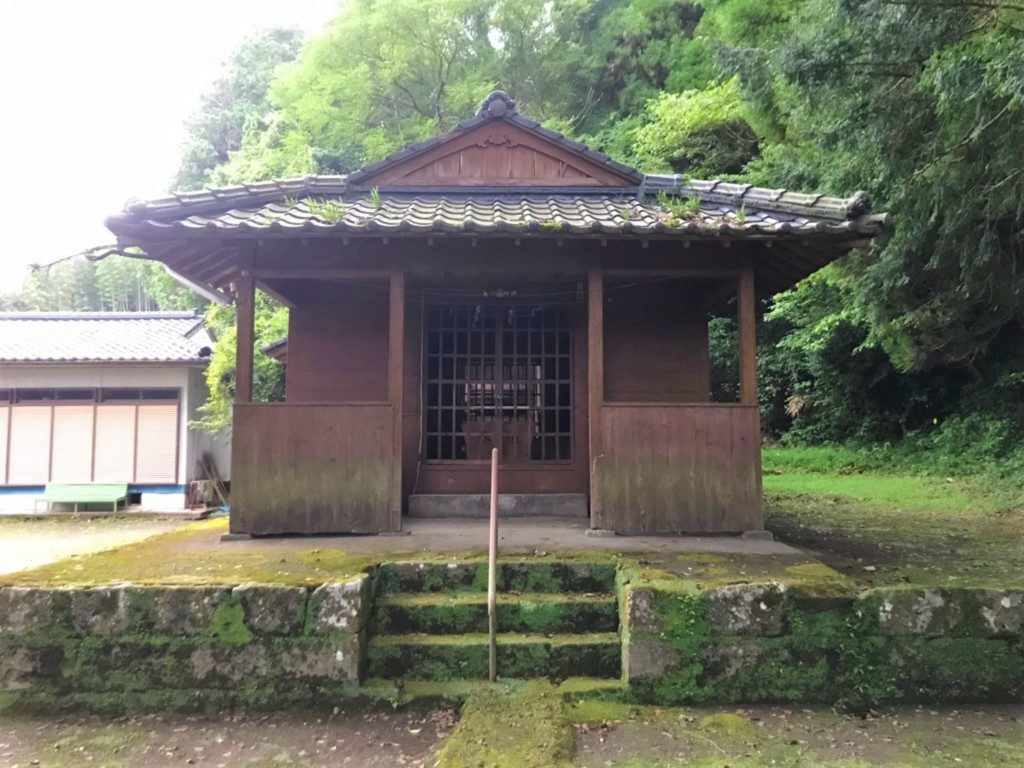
312, 468
680, 468
338, 344
656, 343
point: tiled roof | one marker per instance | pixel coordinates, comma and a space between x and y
103, 337
328, 204
343, 204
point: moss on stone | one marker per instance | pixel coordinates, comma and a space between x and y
450, 657
730, 725
460, 613
510, 726
228, 625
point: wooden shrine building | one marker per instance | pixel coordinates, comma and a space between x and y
497, 286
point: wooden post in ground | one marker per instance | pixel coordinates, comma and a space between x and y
595, 387
492, 574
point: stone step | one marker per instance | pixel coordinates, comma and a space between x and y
513, 576
478, 505
396, 691
453, 657
441, 613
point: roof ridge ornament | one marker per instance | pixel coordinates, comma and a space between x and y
497, 104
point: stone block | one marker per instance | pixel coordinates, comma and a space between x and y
339, 607
649, 658
100, 610
174, 610
339, 659
923, 612
748, 609
272, 609
213, 665
24, 668
30, 610
640, 613
1002, 612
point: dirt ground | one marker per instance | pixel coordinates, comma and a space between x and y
613, 736
27, 543
793, 737
295, 740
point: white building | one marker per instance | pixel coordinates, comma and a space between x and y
103, 397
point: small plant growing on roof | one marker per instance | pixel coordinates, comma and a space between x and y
330, 211
740, 215
291, 202
375, 197
678, 209
554, 225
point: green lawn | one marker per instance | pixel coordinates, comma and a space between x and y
910, 527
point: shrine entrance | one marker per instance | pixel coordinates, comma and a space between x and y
497, 373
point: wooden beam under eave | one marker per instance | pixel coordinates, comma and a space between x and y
245, 336
595, 389
280, 298
746, 320
396, 389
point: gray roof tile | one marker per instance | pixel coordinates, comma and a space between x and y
103, 337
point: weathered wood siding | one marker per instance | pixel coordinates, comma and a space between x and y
656, 344
338, 344
680, 468
312, 468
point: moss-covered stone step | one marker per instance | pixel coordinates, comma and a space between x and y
433, 613
453, 657
400, 692
515, 576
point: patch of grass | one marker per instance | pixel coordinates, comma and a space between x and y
891, 492
193, 555
919, 528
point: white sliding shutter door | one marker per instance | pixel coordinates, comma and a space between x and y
72, 444
156, 456
30, 445
115, 444
5, 415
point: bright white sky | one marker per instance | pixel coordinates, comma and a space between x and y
93, 97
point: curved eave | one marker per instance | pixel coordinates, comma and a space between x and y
864, 226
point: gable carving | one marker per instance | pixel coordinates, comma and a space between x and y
496, 153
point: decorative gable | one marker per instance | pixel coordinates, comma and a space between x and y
498, 148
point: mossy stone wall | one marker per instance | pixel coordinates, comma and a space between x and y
123, 647
765, 642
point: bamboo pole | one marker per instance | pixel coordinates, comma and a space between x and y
492, 573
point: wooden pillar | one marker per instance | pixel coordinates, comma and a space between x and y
245, 307
746, 313
396, 361
595, 387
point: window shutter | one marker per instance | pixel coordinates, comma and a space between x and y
5, 415
72, 444
157, 451
115, 444
30, 445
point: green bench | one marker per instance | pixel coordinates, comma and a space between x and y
84, 493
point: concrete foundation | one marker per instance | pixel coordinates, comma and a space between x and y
509, 505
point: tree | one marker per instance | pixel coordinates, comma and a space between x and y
235, 99
268, 374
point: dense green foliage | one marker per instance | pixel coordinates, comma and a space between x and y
236, 98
